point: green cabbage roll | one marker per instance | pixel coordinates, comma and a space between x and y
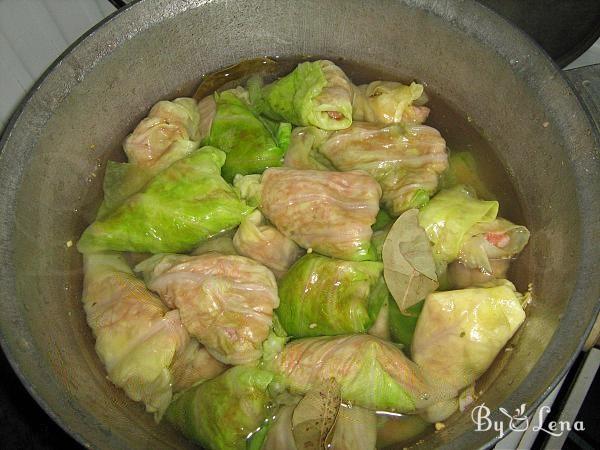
265, 244
316, 93
372, 373
459, 333
321, 296
221, 413
406, 160
447, 219
389, 102
249, 144
225, 301
122, 180
182, 206
144, 347
403, 323
328, 212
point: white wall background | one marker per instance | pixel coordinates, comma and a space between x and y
32, 35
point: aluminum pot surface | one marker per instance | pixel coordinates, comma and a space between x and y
55, 148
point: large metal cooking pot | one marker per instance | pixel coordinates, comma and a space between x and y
77, 116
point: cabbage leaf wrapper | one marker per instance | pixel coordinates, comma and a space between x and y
448, 217
459, 333
172, 130
406, 160
403, 324
389, 102
225, 301
328, 212
315, 93
249, 144
372, 373
265, 244
182, 206
144, 347
321, 296
489, 241
219, 414
166, 123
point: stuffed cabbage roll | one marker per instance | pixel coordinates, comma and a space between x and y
221, 413
144, 347
403, 323
171, 131
221, 243
194, 365
225, 301
372, 373
460, 276
249, 144
328, 212
182, 206
122, 180
447, 219
167, 122
389, 102
459, 333
406, 160
316, 93
489, 241
265, 244
321, 296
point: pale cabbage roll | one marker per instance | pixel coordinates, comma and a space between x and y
265, 244
372, 373
489, 241
144, 347
459, 333
225, 301
328, 212
389, 102
406, 160
166, 123
447, 219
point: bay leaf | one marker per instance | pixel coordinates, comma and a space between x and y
234, 75
408, 264
316, 415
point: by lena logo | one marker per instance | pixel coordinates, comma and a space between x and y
520, 422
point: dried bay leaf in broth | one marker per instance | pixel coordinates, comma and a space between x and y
408, 265
316, 415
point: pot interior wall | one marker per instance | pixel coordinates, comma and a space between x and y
156, 50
